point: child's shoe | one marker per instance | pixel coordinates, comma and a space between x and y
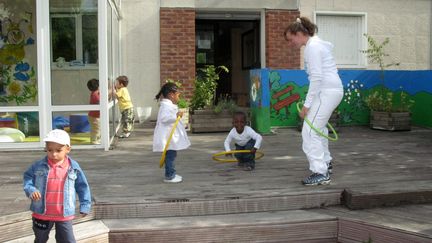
317, 179
249, 168
124, 135
176, 179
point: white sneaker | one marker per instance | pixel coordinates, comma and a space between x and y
176, 179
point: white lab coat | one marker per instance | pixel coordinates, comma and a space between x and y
165, 121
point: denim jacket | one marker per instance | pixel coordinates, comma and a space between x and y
36, 179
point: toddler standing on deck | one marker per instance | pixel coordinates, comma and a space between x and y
52, 184
167, 116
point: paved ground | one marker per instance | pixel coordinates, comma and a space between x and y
365, 160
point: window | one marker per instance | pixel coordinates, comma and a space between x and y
74, 37
345, 31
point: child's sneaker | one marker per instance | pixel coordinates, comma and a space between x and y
330, 168
176, 179
248, 168
317, 179
124, 135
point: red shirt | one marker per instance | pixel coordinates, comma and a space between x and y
54, 197
94, 100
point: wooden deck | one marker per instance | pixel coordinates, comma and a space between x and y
127, 181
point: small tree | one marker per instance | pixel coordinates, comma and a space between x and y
382, 100
205, 86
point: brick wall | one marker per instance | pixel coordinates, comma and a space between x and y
177, 47
279, 55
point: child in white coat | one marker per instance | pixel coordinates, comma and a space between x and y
167, 116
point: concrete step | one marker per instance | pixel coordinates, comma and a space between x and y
93, 231
276, 226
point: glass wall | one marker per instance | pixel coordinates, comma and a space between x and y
74, 62
77, 41
19, 117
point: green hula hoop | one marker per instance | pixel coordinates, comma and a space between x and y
319, 132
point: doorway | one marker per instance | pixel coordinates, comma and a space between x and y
233, 43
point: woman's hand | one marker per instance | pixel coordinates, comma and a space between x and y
303, 112
180, 114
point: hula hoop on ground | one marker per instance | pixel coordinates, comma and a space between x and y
162, 160
258, 155
319, 132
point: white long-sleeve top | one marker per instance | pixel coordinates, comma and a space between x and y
165, 121
242, 138
320, 67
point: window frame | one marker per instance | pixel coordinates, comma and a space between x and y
79, 42
362, 62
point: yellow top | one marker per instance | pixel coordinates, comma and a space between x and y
124, 99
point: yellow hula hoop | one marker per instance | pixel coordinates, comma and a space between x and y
258, 155
162, 160
319, 132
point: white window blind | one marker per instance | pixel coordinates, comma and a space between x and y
346, 34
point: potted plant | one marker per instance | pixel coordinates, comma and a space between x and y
387, 111
206, 114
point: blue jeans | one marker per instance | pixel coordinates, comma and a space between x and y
246, 159
64, 231
170, 171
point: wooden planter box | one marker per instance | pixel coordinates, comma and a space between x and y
390, 121
209, 121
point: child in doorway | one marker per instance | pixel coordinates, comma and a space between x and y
94, 116
121, 93
245, 138
168, 113
52, 184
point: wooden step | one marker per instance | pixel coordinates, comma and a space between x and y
276, 226
93, 231
186, 207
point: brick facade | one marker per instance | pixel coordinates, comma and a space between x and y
279, 56
177, 47
177, 44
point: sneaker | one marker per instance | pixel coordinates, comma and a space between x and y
124, 135
248, 168
176, 179
330, 168
316, 179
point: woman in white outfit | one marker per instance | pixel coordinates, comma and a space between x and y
324, 95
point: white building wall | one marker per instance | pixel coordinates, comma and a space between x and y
140, 59
406, 22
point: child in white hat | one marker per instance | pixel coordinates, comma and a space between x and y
47, 183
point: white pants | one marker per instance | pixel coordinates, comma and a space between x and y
315, 146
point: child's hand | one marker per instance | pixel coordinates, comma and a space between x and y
35, 196
253, 151
180, 114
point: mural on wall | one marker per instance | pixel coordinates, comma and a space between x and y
284, 96
284, 88
17, 76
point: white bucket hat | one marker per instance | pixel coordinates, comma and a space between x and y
58, 136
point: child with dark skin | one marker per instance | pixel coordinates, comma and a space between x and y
245, 138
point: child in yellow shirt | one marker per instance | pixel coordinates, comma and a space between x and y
121, 93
